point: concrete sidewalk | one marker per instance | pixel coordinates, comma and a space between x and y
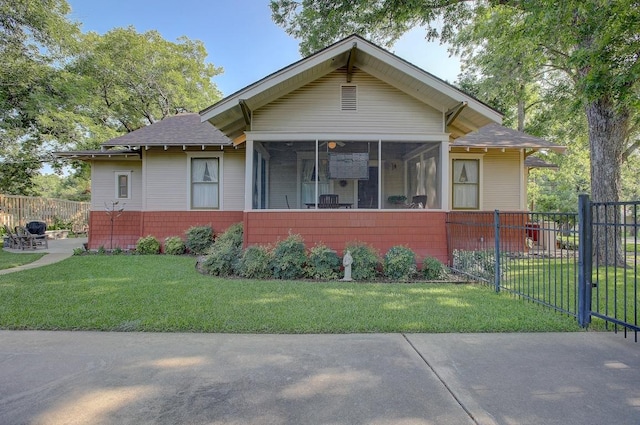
59, 249
150, 378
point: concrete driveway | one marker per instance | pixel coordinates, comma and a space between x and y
151, 378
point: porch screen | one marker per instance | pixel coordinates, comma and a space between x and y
309, 179
204, 183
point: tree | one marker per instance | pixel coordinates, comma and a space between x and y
34, 36
129, 80
594, 43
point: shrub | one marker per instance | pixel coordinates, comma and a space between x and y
400, 263
365, 261
174, 245
479, 264
432, 268
78, 251
323, 263
255, 263
148, 245
101, 250
117, 251
289, 258
199, 239
232, 234
223, 257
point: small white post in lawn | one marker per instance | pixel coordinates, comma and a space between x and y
347, 261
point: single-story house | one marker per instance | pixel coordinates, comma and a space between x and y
349, 144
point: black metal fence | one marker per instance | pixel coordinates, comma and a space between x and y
556, 259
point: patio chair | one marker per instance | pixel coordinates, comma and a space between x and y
29, 240
14, 241
419, 201
328, 201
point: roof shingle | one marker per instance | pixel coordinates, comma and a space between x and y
497, 136
183, 129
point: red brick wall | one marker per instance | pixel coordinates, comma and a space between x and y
422, 231
132, 225
474, 231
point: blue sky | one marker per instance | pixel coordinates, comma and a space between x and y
239, 35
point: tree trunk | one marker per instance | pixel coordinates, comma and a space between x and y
607, 134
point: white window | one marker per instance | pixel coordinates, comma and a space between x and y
466, 184
123, 184
205, 183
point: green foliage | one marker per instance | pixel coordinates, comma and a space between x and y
136, 79
174, 245
63, 296
199, 239
34, 38
365, 261
148, 245
289, 258
79, 251
101, 250
399, 263
479, 264
233, 234
222, 258
117, 251
255, 263
323, 263
569, 241
432, 268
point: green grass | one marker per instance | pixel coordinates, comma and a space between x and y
165, 293
9, 260
555, 282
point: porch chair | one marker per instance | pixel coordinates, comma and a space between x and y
328, 201
419, 201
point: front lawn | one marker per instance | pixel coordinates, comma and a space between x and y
9, 260
166, 293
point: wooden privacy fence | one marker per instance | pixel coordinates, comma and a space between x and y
18, 210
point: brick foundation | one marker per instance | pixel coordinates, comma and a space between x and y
422, 231
132, 225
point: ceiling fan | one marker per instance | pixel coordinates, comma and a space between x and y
332, 144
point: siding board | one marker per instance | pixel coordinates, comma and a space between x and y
502, 180
103, 184
315, 107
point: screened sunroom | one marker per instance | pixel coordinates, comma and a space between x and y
344, 174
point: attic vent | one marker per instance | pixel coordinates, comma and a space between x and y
348, 98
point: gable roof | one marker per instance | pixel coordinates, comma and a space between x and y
497, 136
179, 130
233, 113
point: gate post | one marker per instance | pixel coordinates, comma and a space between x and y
585, 260
496, 229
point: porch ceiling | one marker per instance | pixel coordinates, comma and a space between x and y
228, 116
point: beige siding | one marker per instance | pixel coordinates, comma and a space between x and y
233, 190
103, 184
167, 179
502, 180
316, 108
